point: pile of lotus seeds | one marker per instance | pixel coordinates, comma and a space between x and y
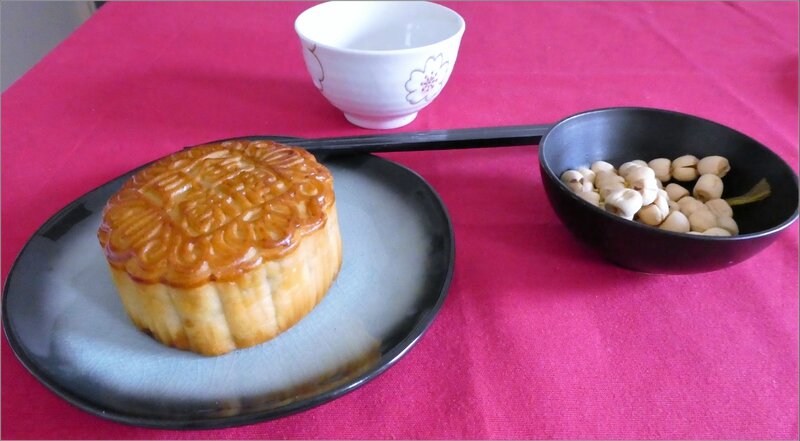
637, 191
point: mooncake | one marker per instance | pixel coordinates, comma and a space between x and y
224, 245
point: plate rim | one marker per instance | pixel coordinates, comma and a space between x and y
387, 360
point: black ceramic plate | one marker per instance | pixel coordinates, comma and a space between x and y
64, 321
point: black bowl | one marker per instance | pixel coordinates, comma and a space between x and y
618, 135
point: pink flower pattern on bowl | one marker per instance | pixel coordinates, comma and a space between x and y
424, 84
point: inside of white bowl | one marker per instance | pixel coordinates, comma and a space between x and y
378, 26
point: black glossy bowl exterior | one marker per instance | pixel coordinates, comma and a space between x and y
618, 135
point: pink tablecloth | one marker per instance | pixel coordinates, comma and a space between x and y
539, 337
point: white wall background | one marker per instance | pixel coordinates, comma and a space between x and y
30, 29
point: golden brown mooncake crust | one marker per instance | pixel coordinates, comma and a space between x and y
223, 246
214, 212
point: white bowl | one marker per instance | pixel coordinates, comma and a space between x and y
380, 62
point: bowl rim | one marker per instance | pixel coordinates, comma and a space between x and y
462, 25
643, 227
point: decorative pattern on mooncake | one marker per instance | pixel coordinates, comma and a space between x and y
213, 212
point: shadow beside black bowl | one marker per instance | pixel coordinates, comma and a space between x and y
618, 135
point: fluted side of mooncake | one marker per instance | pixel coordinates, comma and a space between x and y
221, 316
